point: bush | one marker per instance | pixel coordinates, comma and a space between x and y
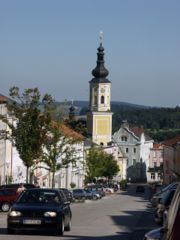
73, 185
123, 184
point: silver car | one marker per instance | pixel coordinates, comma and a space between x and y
170, 229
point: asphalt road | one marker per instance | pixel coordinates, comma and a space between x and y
124, 215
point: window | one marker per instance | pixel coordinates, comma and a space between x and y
155, 164
95, 99
152, 176
134, 150
124, 139
127, 150
102, 99
159, 175
134, 162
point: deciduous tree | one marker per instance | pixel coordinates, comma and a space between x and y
29, 127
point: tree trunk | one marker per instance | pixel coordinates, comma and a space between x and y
53, 179
27, 174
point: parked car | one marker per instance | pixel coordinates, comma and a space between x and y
98, 189
163, 206
17, 185
140, 189
93, 195
157, 196
67, 193
40, 209
79, 194
7, 197
170, 229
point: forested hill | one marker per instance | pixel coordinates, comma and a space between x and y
159, 123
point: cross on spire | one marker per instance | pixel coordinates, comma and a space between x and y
101, 36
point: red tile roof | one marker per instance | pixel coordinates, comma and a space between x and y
71, 133
68, 132
138, 132
172, 141
157, 145
3, 99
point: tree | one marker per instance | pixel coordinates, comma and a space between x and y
100, 164
59, 150
29, 128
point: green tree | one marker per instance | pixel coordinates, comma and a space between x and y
29, 128
100, 164
58, 146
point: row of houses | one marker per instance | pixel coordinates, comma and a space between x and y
147, 160
138, 158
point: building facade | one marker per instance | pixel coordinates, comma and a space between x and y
155, 170
6, 147
171, 160
135, 145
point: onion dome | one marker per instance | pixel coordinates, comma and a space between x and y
100, 71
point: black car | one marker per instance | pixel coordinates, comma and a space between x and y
40, 209
140, 189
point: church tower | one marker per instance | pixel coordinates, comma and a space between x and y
99, 117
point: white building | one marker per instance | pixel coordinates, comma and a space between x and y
73, 172
6, 148
113, 149
135, 145
11, 166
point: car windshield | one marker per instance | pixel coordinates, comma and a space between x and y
39, 197
166, 200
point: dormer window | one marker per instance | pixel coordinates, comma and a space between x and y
124, 139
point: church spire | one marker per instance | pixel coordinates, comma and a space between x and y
100, 72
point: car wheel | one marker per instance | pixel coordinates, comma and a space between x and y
5, 207
95, 197
10, 231
68, 227
60, 230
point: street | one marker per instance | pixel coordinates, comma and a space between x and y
125, 215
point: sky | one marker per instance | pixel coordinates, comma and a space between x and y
52, 45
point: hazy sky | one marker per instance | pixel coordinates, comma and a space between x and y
52, 45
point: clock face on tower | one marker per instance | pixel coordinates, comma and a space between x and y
102, 90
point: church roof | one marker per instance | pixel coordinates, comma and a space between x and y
100, 72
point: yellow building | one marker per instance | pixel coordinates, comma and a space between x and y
99, 117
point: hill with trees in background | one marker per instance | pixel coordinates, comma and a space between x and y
160, 123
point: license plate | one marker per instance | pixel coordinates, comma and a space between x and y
30, 221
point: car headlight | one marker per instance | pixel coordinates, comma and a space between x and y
15, 213
50, 214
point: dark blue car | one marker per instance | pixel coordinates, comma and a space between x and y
40, 209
